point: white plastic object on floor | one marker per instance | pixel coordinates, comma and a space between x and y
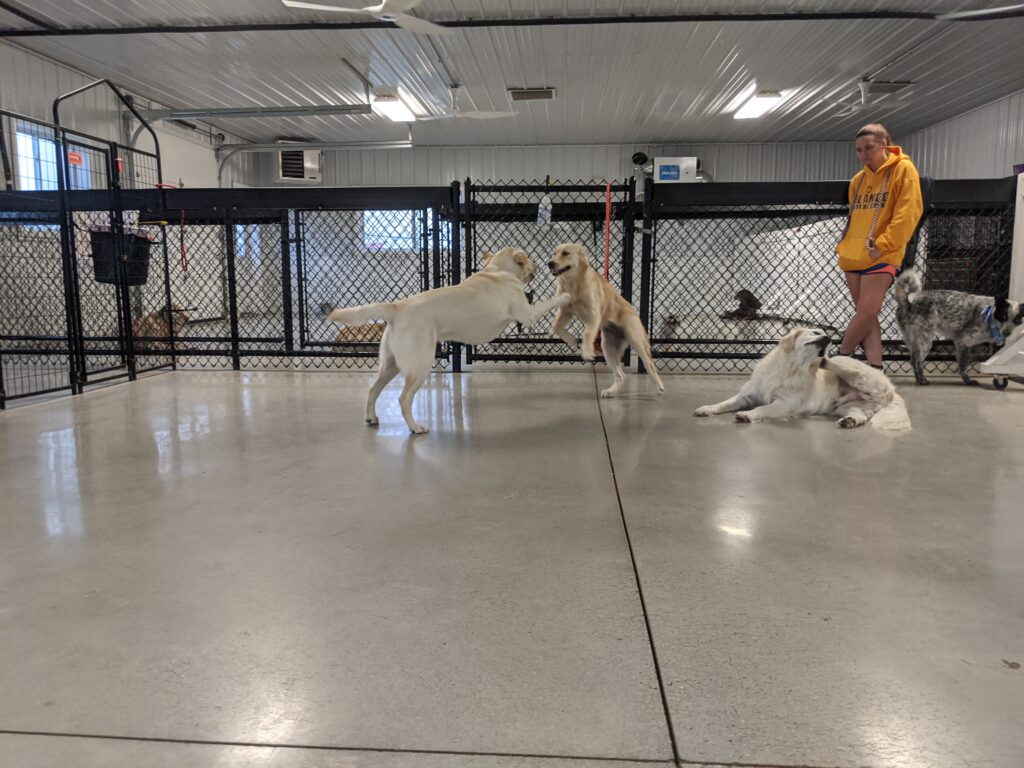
1008, 362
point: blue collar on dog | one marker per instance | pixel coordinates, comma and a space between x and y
988, 315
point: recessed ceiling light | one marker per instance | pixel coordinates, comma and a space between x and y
758, 104
388, 103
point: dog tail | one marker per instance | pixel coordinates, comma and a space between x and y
356, 315
893, 417
908, 285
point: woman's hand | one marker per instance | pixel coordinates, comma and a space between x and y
873, 250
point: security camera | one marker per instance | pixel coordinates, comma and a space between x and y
639, 158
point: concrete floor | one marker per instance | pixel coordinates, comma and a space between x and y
230, 569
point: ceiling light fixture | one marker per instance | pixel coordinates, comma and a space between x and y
388, 103
758, 104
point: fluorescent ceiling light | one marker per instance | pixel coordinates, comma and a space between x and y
760, 102
388, 103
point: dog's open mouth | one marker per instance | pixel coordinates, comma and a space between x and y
561, 271
821, 343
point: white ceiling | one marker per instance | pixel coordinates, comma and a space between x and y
621, 83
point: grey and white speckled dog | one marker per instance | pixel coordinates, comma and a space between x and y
963, 318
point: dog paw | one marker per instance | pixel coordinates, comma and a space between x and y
847, 422
588, 356
610, 392
372, 421
704, 410
972, 383
923, 382
744, 417
418, 429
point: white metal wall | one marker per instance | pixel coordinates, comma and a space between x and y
29, 84
441, 165
982, 144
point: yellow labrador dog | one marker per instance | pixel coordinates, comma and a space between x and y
601, 308
796, 379
473, 312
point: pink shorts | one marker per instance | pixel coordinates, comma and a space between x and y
877, 269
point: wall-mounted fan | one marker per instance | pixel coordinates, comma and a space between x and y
394, 11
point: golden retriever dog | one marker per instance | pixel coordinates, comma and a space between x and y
796, 379
160, 324
600, 308
473, 312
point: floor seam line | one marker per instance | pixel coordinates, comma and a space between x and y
636, 577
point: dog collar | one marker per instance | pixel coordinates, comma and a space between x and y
988, 315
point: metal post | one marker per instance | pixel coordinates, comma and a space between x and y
167, 297
627, 239
456, 264
627, 246
647, 261
286, 283
467, 219
124, 298
229, 233
300, 276
76, 366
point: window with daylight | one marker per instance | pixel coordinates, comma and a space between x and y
392, 230
35, 156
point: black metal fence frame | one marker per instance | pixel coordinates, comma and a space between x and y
984, 209
444, 222
513, 208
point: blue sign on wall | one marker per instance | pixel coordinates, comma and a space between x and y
668, 173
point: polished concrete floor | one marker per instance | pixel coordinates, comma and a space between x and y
230, 569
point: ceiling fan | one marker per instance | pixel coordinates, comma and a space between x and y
472, 114
389, 10
1004, 12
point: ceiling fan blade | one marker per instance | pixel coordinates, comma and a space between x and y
421, 26
1005, 12
320, 7
392, 7
480, 115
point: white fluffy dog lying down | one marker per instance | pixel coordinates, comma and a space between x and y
795, 379
473, 312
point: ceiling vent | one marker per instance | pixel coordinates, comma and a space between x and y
531, 94
871, 89
299, 166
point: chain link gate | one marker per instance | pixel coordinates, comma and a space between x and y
345, 258
35, 341
258, 271
537, 216
730, 268
70, 292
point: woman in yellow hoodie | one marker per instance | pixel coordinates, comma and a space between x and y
885, 206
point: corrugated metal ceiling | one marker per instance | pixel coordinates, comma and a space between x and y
625, 83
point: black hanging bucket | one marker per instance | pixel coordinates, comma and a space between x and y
135, 249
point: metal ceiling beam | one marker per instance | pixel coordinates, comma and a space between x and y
166, 29
225, 112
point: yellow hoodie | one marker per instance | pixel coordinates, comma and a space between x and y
901, 210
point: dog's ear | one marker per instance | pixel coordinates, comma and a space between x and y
1002, 313
788, 342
